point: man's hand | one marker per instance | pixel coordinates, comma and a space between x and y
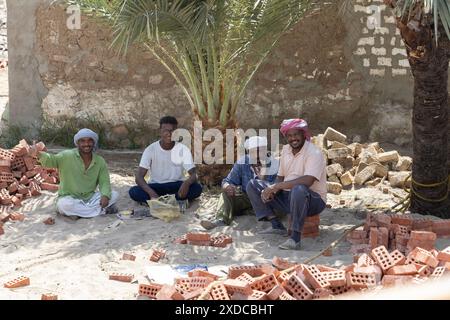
258, 171
230, 190
152, 194
37, 148
104, 201
268, 194
183, 191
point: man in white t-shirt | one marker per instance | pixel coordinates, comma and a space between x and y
166, 161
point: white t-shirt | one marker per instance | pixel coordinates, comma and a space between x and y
166, 165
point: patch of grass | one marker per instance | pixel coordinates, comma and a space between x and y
61, 131
12, 134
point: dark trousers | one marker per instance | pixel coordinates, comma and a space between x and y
300, 202
138, 194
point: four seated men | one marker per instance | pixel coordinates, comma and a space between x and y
299, 188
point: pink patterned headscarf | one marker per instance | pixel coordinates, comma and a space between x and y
299, 124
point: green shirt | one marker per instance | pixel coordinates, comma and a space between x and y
75, 180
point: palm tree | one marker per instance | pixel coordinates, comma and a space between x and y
212, 48
425, 29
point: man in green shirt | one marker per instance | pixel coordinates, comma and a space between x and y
80, 172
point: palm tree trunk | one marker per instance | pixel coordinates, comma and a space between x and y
430, 131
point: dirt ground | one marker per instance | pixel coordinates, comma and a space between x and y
74, 258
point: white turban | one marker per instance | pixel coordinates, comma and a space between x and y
86, 133
254, 142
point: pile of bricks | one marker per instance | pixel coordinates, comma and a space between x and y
289, 281
397, 232
21, 177
360, 164
205, 239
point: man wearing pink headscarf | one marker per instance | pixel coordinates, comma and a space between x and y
300, 188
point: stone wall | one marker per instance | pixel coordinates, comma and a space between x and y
334, 70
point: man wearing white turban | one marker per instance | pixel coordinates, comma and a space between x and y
81, 171
256, 164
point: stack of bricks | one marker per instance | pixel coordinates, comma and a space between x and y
376, 270
311, 227
394, 231
361, 164
21, 177
205, 239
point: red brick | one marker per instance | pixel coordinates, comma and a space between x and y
19, 150
373, 269
286, 296
298, 289
383, 220
275, 292
13, 187
233, 285
438, 272
441, 227
313, 219
149, 290
264, 283
335, 278
31, 174
423, 256
258, 295
199, 243
423, 235
407, 269
321, 293
191, 236
5, 154
124, 277
365, 260
236, 271
49, 296
24, 180
427, 245
18, 282
168, 292
390, 280
361, 280
17, 201
382, 258
51, 180
193, 295
245, 277
340, 290
315, 277
23, 189
49, 186
323, 268
373, 237
447, 265
29, 163
401, 230
157, 255
282, 264
403, 220
15, 216
383, 237
4, 217
422, 224
193, 283
127, 256
398, 257
1, 229
202, 273
444, 255
219, 292
49, 221
357, 234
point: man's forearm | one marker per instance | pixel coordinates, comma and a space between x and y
141, 183
305, 180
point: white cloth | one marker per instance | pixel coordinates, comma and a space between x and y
86, 133
254, 142
166, 165
86, 209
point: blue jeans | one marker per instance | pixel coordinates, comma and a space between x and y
301, 202
138, 194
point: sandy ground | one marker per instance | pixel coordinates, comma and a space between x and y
74, 258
